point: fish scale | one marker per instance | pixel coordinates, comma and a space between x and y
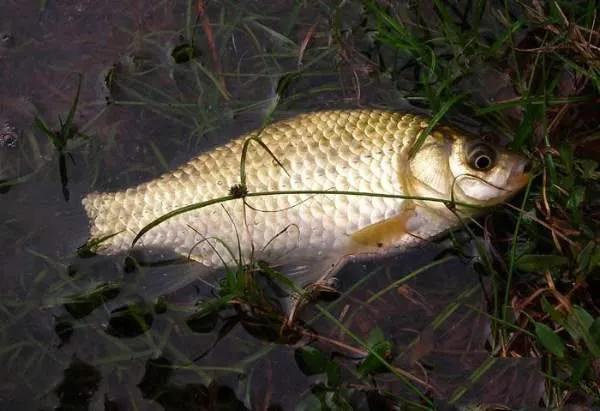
357, 150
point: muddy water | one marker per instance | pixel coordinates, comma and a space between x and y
153, 94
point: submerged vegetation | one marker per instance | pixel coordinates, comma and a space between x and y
524, 72
60, 139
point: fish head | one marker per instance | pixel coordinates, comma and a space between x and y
468, 169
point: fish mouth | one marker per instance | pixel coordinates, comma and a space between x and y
520, 175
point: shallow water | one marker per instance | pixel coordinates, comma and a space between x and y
140, 113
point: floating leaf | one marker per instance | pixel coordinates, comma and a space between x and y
204, 321
130, 321
311, 361
183, 53
378, 348
80, 383
550, 340
82, 305
157, 375
372, 364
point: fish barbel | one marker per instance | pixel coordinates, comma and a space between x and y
342, 183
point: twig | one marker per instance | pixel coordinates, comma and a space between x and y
307, 38
337, 343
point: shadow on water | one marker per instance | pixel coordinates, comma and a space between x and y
79, 333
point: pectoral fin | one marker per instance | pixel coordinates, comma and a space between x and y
384, 234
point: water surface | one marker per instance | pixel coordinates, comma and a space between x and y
152, 96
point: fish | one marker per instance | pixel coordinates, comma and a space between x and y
316, 190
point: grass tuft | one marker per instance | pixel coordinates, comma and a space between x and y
60, 138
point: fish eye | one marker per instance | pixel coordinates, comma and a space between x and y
482, 157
